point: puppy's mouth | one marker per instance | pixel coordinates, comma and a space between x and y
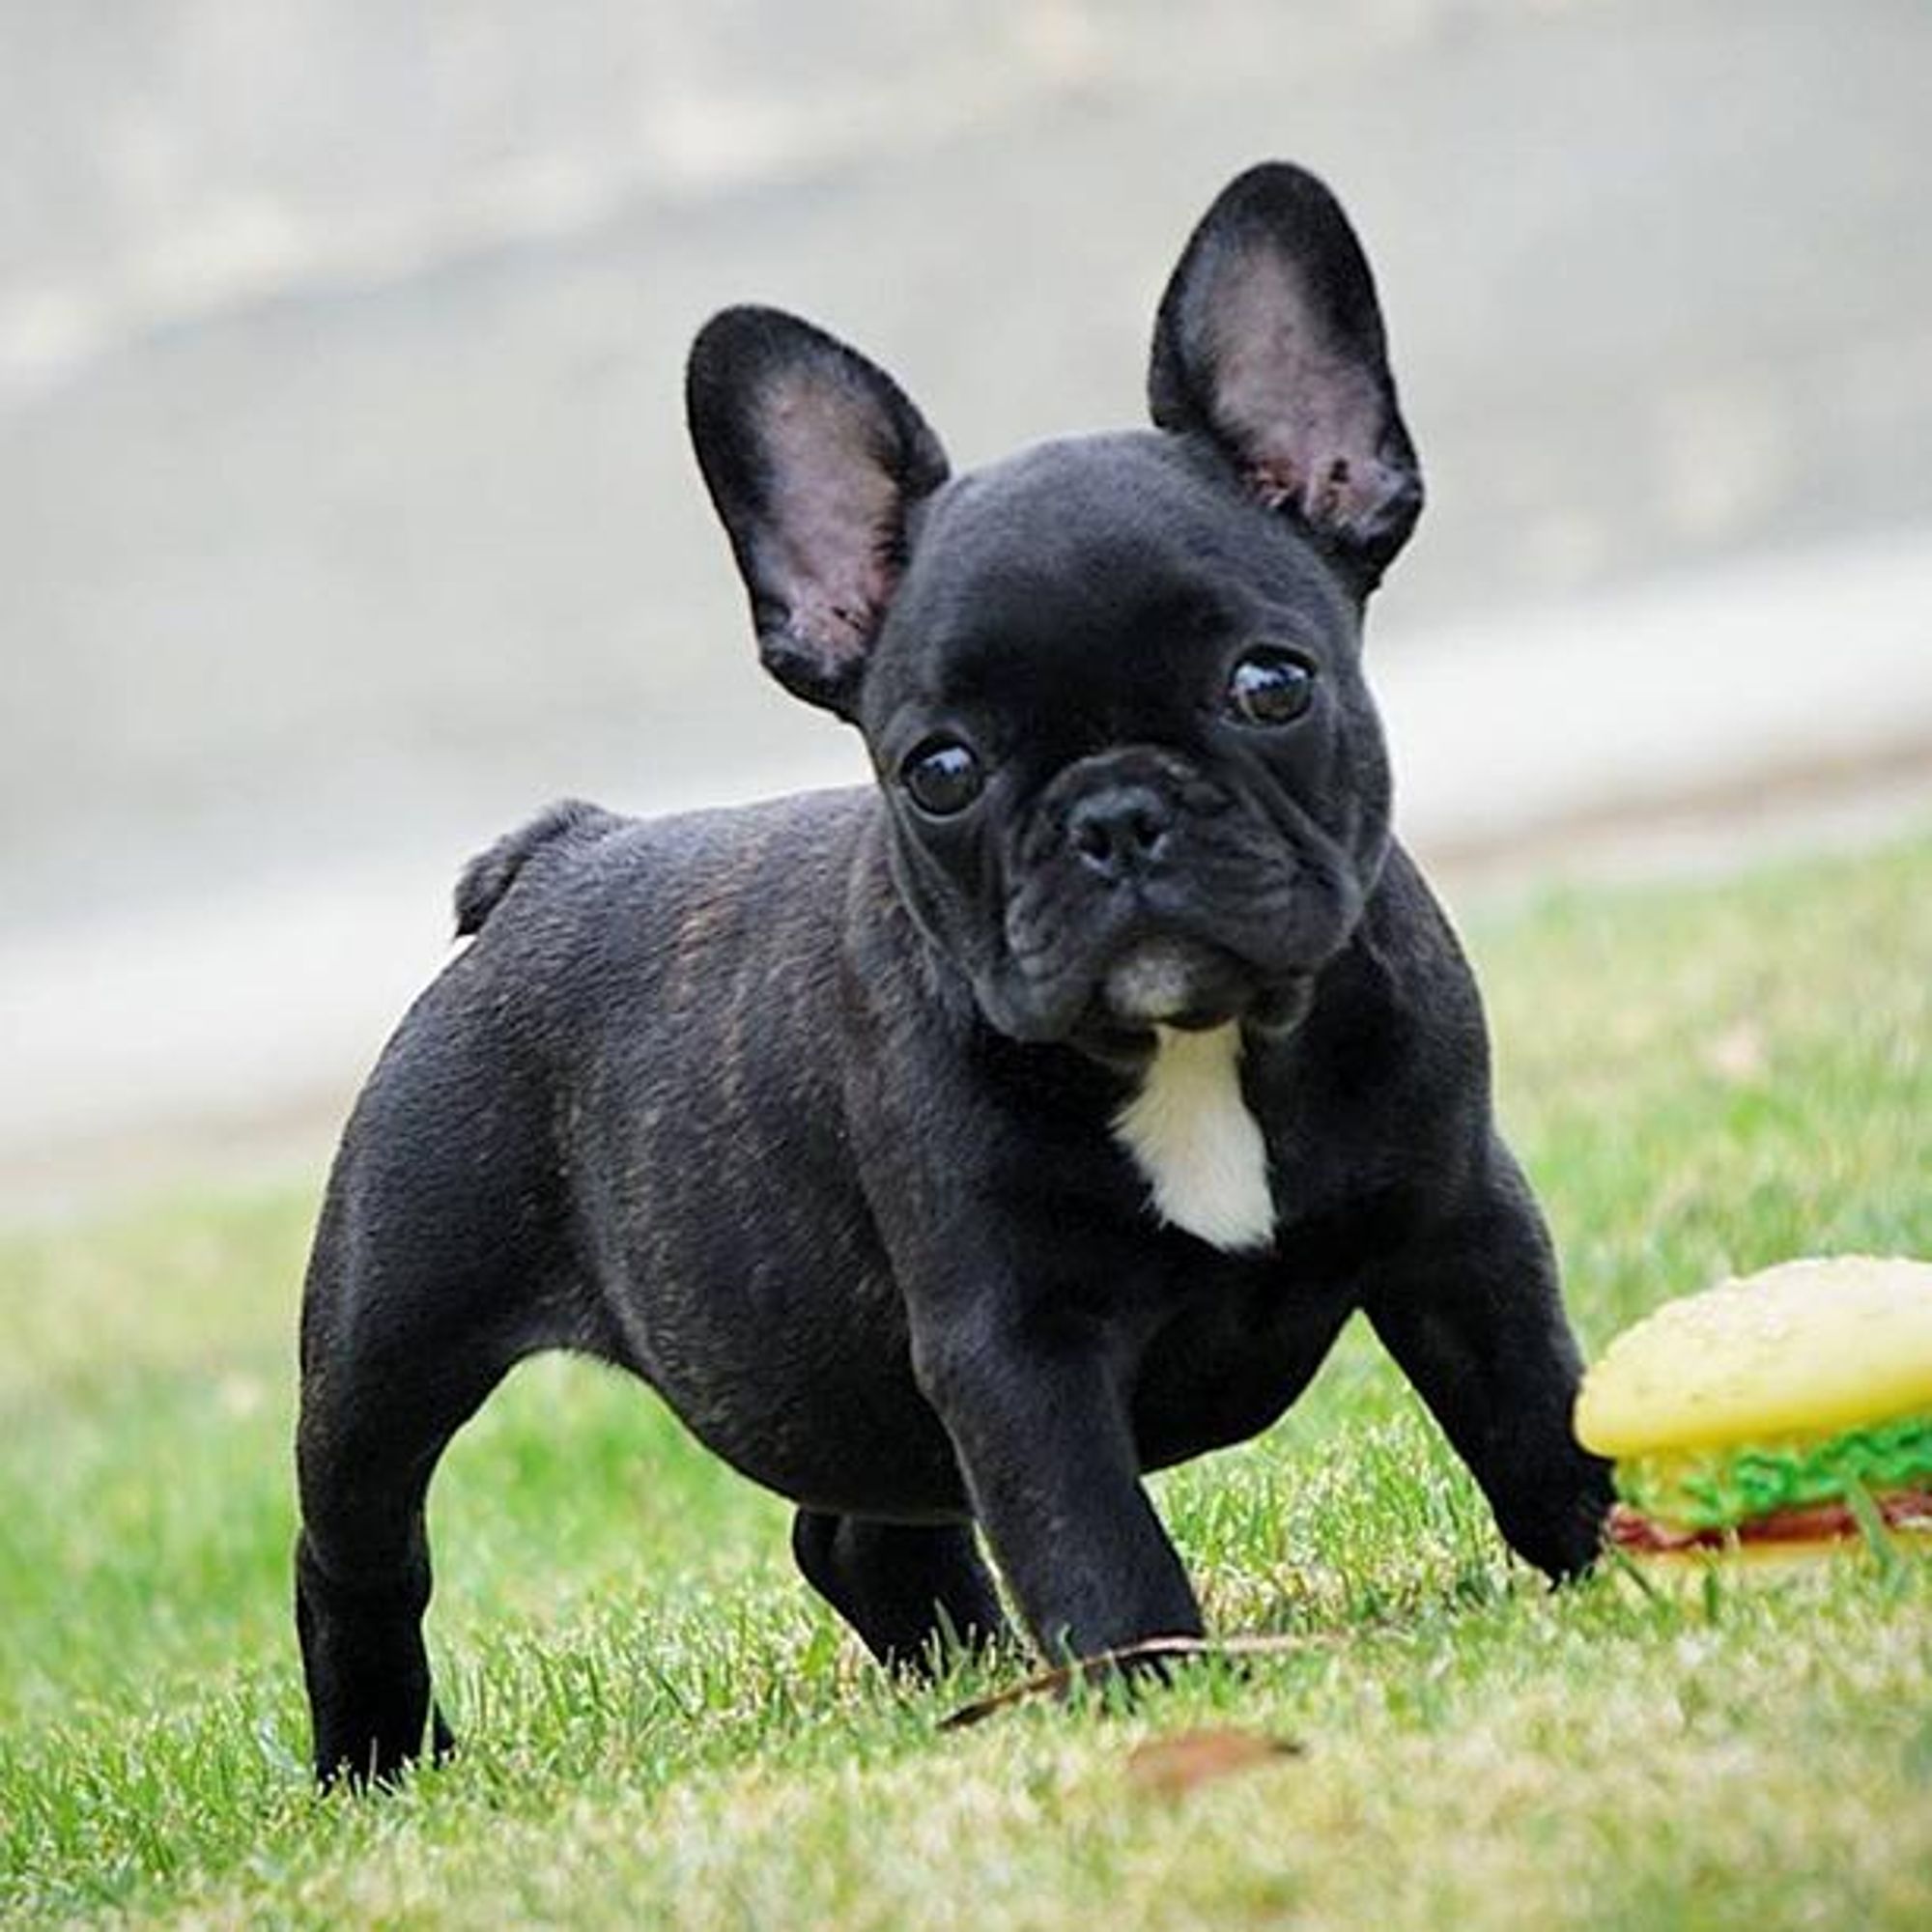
1169, 981
1174, 982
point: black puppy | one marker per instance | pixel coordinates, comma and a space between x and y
953, 1152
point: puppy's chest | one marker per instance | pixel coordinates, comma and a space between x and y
1197, 1144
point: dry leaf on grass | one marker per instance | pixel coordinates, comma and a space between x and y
1173, 1766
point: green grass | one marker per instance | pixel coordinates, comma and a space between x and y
661, 1725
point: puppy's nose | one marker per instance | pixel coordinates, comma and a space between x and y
1120, 830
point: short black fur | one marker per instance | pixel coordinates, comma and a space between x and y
817, 1115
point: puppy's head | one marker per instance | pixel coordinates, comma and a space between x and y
1111, 686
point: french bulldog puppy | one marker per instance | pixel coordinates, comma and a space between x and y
951, 1152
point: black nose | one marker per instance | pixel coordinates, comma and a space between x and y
1118, 830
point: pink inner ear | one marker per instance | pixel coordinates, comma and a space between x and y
1308, 418
833, 503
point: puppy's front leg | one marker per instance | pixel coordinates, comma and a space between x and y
1047, 1453
1472, 1315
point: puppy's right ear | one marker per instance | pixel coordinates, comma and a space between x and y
814, 458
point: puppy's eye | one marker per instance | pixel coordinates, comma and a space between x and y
1270, 686
942, 775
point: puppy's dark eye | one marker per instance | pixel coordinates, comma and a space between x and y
1270, 686
943, 776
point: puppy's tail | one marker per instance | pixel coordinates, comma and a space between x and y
491, 875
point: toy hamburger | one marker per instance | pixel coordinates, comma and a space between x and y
1784, 1413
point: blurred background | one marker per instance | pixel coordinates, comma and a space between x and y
346, 513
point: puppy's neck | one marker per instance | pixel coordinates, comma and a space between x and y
1196, 1144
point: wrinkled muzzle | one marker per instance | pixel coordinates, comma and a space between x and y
1141, 893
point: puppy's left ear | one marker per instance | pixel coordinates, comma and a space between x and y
1270, 341
814, 458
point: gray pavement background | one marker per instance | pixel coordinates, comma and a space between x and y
345, 511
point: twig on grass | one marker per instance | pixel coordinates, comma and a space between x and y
1105, 1664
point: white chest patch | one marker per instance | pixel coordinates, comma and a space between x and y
1190, 1133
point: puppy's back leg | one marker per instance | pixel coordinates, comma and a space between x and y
422, 1294
907, 1589
376, 1416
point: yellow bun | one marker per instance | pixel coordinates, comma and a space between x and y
1803, 1349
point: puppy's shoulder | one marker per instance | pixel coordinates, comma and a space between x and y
1420, 1010
1408, 929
